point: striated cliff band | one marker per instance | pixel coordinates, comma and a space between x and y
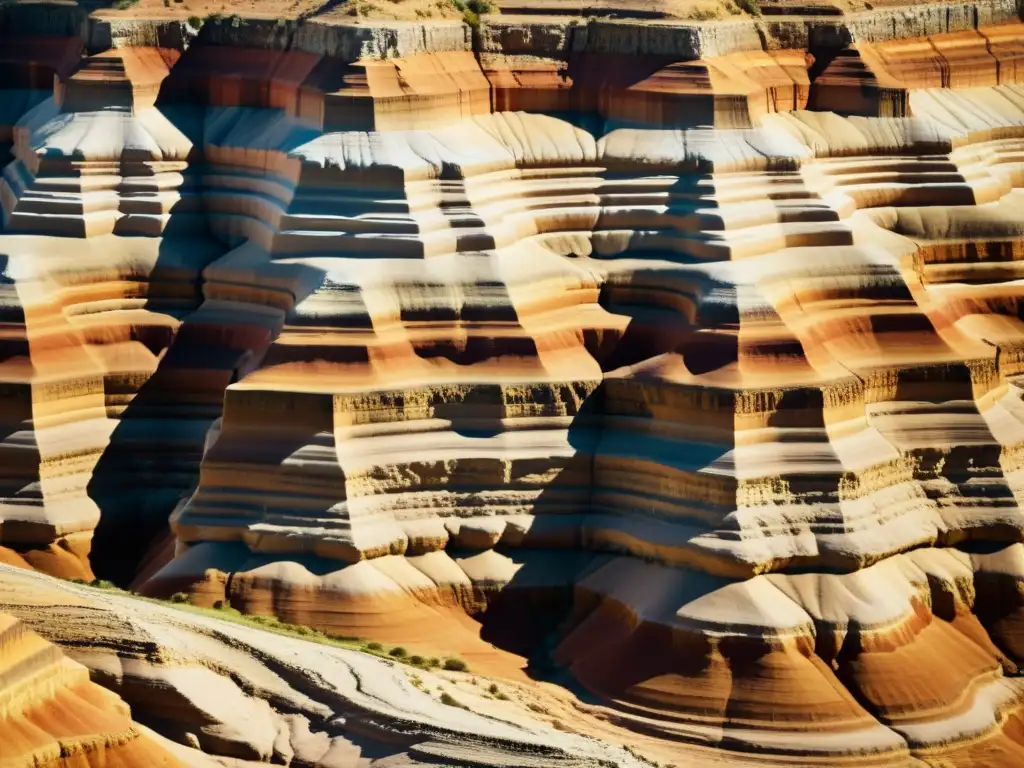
669, 354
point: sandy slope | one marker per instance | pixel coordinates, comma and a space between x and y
242, 691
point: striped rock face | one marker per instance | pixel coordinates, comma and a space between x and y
51, 715
699, 379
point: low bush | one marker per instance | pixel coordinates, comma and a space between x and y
451, 701
455, 665
398, 652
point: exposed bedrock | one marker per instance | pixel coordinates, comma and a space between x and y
52, 716
694, 376
256, 697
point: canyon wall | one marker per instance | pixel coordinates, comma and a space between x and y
683, 358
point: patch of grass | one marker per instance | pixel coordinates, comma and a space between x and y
195, 22
223, 611
703, 14
451, 701
753, 7
472, 10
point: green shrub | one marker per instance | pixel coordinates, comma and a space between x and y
472, 10
433, 663
123, 5
179, 597
374, 646
493, 689
236, 21
451, 701
102, 584
195, 22
501, 696
398, 652
753, 7
455, 665
418, 661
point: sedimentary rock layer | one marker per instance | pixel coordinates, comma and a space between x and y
698, 378
52, 716
260, 697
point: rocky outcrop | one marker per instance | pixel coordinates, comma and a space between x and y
257, 697
52, 716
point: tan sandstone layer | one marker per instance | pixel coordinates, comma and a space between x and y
52, 716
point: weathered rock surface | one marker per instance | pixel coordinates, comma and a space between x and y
259, 697
693, 368
52, 716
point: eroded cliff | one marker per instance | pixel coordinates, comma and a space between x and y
682, 358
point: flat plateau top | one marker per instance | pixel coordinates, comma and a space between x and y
456, 10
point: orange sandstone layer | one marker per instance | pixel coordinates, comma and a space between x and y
51, 716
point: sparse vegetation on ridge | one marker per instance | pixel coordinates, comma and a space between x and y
472, 10
451, 701
224, 611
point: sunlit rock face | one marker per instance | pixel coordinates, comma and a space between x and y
698, 377
52, 716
